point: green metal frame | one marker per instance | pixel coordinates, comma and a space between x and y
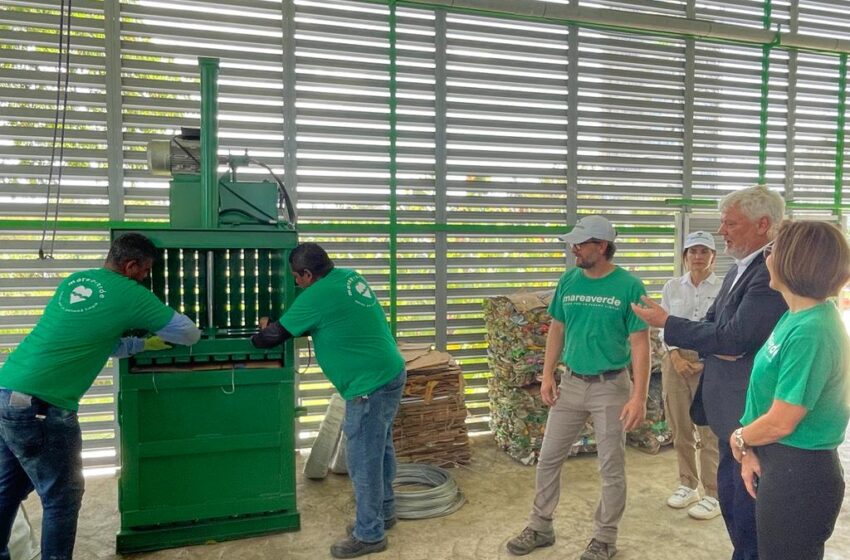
361, 228
765, 89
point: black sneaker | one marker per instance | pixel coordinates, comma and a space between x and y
529, 540
598, 550
349, 547
388, 524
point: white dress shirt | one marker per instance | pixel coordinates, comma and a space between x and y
681, 298
742, 265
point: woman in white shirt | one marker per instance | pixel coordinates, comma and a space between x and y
690, 296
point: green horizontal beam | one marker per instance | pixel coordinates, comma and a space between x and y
343, 228
484, 229
79, 225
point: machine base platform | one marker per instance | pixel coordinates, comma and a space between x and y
205, 531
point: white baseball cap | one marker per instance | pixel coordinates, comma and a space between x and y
590, 227
700, 238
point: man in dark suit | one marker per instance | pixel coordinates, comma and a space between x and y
734, 328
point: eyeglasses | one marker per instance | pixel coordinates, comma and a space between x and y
583, 244
768, 249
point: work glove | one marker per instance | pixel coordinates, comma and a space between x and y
153, 343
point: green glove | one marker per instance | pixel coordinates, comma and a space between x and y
153, 343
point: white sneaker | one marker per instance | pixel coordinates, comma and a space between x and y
707, 508
683, 497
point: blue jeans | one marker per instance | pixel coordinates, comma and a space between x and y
40, 449
370, 455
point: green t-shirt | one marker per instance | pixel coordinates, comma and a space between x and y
805, 363
354, 346
60, 359
598, 319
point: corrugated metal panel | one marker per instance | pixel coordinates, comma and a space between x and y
817, 114
826, 18
727, 106
630, 125
160, 84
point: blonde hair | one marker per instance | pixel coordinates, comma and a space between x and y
811, 258
756, 203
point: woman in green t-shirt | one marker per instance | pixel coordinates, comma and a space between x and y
797, 403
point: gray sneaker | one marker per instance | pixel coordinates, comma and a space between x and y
597, 550
528, 540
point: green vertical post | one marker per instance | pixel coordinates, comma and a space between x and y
209, 142
393, 173
839, 134
765, 86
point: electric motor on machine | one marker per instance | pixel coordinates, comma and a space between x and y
180, 155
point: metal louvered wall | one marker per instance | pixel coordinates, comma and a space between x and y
438, 151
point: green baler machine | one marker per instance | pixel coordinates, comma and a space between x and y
207, 433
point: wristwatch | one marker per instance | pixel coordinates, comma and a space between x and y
739, 439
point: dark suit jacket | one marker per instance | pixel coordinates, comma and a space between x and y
737, 324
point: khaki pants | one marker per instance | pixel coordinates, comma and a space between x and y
693, 444
603, 400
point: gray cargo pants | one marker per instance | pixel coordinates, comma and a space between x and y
603, 400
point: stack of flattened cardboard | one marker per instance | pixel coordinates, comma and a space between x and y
431, 423
517, 327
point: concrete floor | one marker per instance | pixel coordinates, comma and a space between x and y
499, 493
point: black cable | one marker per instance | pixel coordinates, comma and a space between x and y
290, 209
41, 254
62, 136
272, 219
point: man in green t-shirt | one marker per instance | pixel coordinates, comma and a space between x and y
595, 333
42, 382
358, 354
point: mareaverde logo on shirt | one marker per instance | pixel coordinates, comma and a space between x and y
361, 292
611, 302
771, 347
81, 294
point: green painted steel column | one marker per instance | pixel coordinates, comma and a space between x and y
209, 142
393, 172
838, 197
765, 87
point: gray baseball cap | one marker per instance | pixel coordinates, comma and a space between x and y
590, 227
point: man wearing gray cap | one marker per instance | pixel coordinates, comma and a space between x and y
689, 296
595, 333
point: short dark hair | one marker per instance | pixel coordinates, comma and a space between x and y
310, 256
610, 250
131, 247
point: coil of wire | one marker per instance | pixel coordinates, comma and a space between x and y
438, 496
